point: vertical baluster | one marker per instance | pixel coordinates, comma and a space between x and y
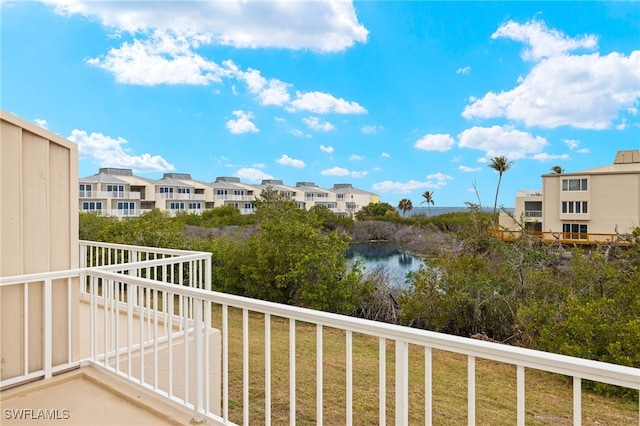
25, 331
292, 371
471, 390
245, 366
198, 359
267, 369
207, 373
520, 383
402, 383
319, 375
382, 381
577, 401
48, 329
349, 378
225, 363
428, 386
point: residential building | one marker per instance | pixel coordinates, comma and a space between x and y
349, 199
310, 195
96, 333
118, 192
229, 191
178, 193
586, 206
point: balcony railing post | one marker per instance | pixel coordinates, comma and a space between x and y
199, 360
402, 383
48, 329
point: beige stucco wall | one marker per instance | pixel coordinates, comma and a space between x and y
39, 233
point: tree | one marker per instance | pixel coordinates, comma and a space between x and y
428, 198
405, 205
376, 211
557, 170
290, 259
500, 164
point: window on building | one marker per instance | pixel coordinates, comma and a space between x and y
221, 192
238, 192
184, 190
90, 206
126, 206
580, 207
574, 184
195, 206
574, 231
340, 197
115, 188
85, 190
248, 206
176, 206
166, 190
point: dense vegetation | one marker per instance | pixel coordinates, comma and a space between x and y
581, 302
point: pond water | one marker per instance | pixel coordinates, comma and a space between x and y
396, 262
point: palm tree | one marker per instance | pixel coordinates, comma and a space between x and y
405, 205
557, 170
500, 164
428, 198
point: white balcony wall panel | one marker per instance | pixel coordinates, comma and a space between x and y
38, 224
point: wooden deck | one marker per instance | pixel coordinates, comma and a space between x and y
568, 238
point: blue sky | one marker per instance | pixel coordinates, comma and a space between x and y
394, 97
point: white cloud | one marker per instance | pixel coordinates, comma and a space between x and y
299, 133
434, 181
163, 58
336, 171
571, 143
285, 160
464, 70
109, 152
270, 92
435, 142
321, 26
243, 124
327, 149
586, 91
370, 129
583, 151
467, 169
542, 41
41, 122
314, 123
543, 156
251, 174
385, 155
355, 157
340, 171
501, 140
323, 103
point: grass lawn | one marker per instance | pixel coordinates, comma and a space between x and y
548, 396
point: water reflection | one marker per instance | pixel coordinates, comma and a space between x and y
395, 262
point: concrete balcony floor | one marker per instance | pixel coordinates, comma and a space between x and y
88, 396
94, 396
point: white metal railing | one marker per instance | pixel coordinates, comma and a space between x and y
233, 197
152, 307
38, 332
179, 196
202, 303
533, 213
130, 195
